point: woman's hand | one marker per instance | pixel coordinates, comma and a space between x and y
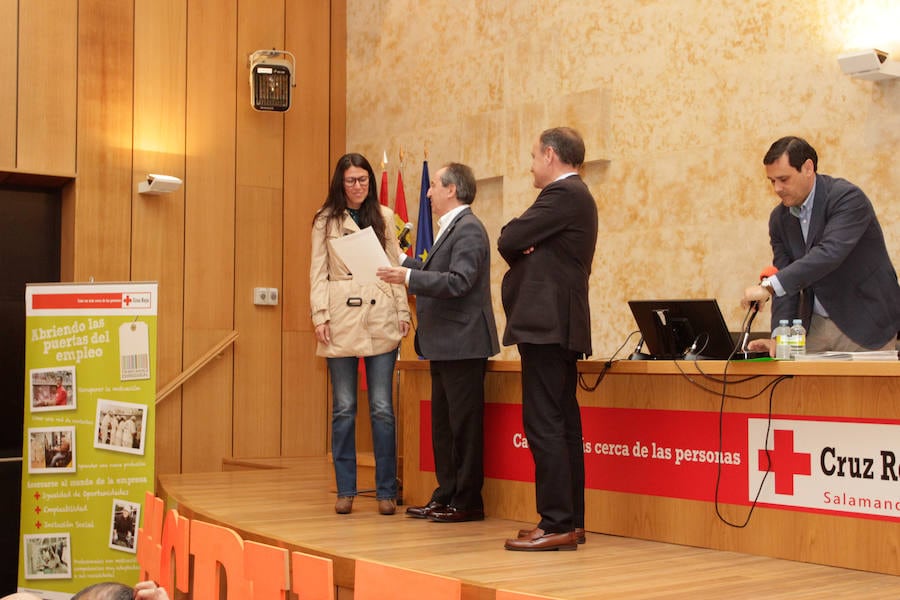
323, 333
404, 328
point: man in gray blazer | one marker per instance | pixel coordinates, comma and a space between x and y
457, 333
834, 271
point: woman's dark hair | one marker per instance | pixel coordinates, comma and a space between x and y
336, 203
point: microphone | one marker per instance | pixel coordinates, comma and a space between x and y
765, 273
768, 272
403, 236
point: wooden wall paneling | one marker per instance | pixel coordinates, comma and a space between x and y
338, 79
160, 60
307, 173
306, 150
260, 135
105, 110
206, 405
306, 410
169, 432
258, 244
209, 195
257, 352
48, 50
9, 43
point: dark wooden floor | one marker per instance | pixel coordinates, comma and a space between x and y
294, 506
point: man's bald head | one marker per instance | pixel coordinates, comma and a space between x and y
108, 590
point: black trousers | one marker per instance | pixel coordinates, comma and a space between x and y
457, 431
552, 422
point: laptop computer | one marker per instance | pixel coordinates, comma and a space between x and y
687, 330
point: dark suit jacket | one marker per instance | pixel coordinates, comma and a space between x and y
453, 294
545, 293
844, 263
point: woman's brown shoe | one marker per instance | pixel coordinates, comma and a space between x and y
387, 507
344, 505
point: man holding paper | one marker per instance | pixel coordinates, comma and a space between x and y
457, 333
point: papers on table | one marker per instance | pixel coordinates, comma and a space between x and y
870, 355
362, 254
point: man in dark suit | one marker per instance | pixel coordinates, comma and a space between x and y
834, 271
549, 250
457, 333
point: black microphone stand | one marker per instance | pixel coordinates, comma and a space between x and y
637, 354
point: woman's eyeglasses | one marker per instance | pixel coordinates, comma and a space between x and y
351, 181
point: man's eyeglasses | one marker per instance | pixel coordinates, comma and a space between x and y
351, 181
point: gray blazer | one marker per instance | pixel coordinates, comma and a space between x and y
453, 294
844, 263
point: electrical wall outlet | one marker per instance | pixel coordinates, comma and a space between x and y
260, 296
272, 296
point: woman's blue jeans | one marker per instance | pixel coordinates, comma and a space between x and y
379, 378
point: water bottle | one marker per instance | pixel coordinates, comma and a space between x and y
797, 338
782, 344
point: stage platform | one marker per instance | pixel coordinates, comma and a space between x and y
290, 503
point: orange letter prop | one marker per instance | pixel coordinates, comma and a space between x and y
175, 540
211, 546
267, 571
149, 536
313, 576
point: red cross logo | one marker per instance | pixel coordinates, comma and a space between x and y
127, 301
785, 463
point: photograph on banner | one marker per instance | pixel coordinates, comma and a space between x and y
123, 525
51, 450
53, 389
120, 426
47, 556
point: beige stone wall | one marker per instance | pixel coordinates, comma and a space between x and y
677, 100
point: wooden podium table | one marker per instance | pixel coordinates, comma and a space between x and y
824, 394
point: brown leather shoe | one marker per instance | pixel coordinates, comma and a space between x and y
344, 505
387, 506
423, 512
580, 537
451, 514
543, 542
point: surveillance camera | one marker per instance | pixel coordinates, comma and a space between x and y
159, 184
871, 65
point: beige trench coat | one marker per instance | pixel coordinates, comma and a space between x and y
369, 323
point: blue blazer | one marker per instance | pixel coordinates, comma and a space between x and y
844, 263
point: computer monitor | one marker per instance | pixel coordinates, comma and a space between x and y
672, 329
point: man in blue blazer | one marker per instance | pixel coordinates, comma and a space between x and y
834, 271
457, 333
549, 249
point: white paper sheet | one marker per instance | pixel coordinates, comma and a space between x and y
362, 254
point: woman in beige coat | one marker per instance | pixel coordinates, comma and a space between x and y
352, 320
